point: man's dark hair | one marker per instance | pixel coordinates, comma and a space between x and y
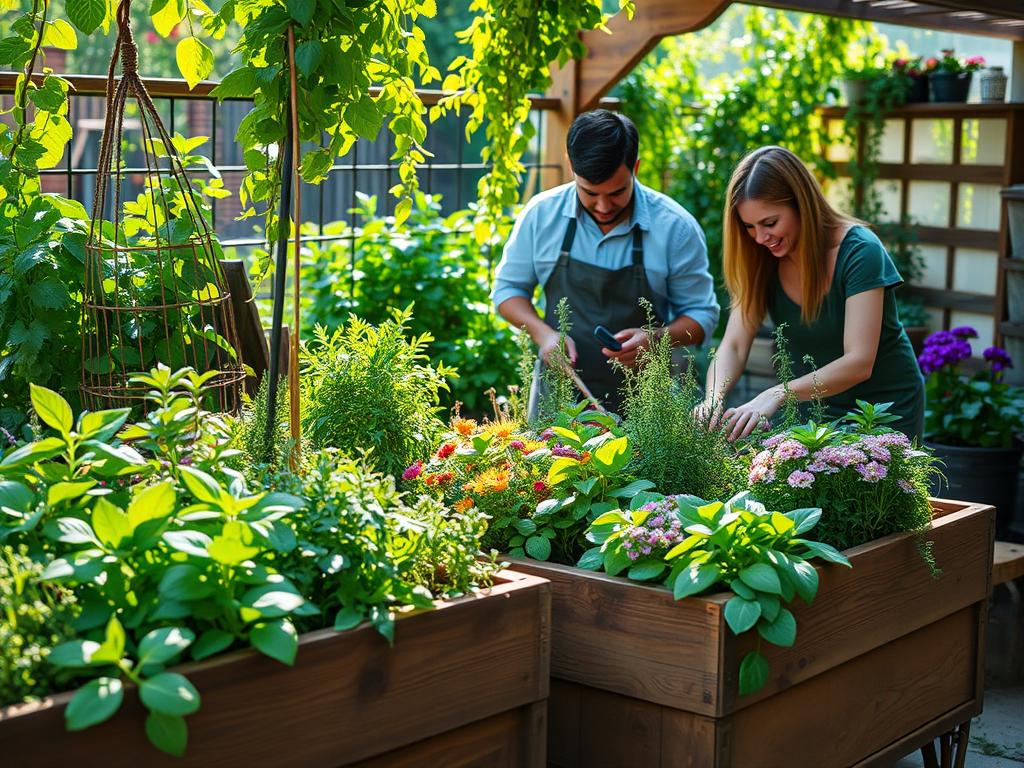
599, 142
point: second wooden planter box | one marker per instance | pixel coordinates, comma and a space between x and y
464, 685
886, 658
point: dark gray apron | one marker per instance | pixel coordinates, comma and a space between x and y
596, 296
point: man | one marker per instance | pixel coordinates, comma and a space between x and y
604, 241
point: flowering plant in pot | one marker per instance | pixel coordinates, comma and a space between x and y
950, 77
912, 71
973, 421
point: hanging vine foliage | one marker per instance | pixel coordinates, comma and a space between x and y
514, 43
356, 63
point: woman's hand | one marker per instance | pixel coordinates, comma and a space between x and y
709, 413
744, 419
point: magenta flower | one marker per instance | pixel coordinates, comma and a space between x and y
790, 449
413, 471
565, 451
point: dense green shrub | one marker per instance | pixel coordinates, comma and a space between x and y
430, 260
676, 451
370, 387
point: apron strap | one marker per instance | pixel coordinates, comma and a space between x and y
638, 247
570, 235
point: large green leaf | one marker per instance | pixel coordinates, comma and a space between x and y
168, 733
781, 631
87, 15
364, 117
59, 34
301, 10
753, 673
741, 614
169, 693
276, 639
612, 456
110, 523
195, 60
239, 83
93, 703
161, 645
52, 409
154, 502
15, 496
538, 547
761, 577
694, 579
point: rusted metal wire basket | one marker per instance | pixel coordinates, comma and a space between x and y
154, 291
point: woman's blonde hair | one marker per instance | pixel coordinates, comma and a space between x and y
777, 176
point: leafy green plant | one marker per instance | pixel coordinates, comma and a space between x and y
557, 393
978, 409
760, 555
33, 620
672, 448
42, 236
424, 261
370, 387
586, 477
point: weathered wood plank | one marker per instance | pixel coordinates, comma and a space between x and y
888, 593
859, 708
349, 696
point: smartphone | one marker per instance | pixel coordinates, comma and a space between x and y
607, 338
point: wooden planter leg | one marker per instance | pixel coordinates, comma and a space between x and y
952, 748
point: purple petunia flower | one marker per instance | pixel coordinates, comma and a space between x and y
964, 332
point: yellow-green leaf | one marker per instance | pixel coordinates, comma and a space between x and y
561, 469
402, 210
60, 34
195, 60
168, 16
53, 132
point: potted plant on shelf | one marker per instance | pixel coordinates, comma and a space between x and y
916, 80
950, 77
857, 82
974, 423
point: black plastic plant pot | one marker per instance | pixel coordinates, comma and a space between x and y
985, 475
950, 86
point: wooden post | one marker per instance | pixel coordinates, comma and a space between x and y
556, 124
1017, 72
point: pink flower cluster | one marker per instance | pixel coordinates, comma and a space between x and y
868, 456
661, 531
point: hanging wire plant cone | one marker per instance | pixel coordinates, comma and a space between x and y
154, 291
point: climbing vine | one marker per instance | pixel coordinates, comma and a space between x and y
513, 42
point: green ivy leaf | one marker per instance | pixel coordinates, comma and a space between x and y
169, 693
276, 639
364, 117
195, 60
87, 15
168, 733
93, 703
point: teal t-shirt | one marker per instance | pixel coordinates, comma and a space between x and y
862, 264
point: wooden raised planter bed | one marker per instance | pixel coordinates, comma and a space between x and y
464, 685
887, 658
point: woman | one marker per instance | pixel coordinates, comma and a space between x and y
790, 255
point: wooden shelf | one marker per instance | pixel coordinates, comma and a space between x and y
941, 109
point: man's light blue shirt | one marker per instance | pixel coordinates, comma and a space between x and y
675, 252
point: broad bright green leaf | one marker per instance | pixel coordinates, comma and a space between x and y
538, 547
74, 653
169, 693
166, 15
87, 15
694, 580
168, 733
52, 409
761, 577
195, 60
781, 631
53, 132
162, 645
239, 83
60, 34
15, 496
347, 618
316, 165
154, 502
110, 523
94, 702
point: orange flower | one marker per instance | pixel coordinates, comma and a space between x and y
464, 505
491, 481
585, 457
464, 427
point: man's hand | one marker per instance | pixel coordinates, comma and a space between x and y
549, 344
632, 340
